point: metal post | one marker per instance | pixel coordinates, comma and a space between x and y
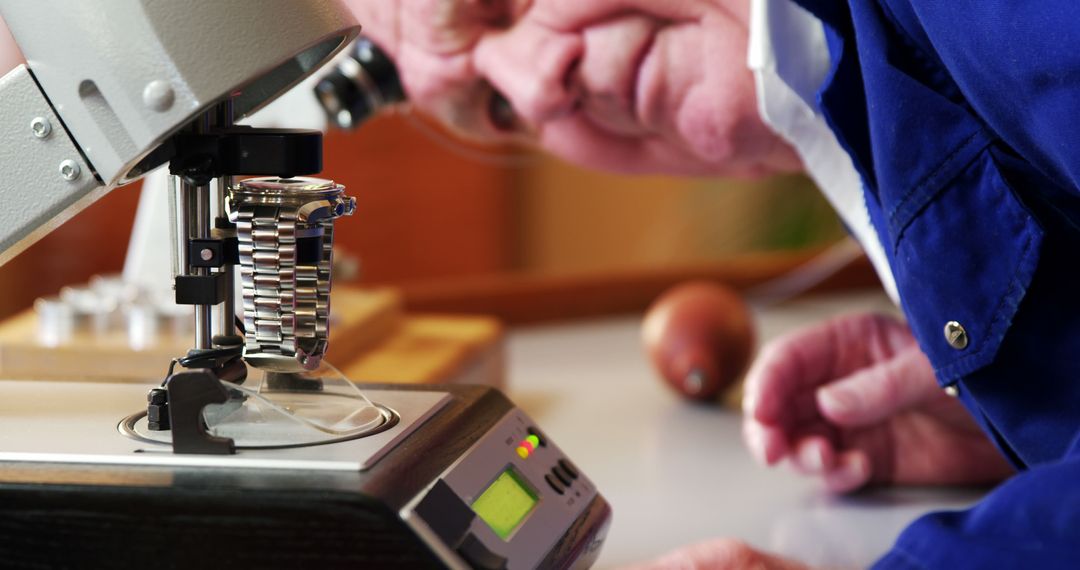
227, 314
197, 204
178, 227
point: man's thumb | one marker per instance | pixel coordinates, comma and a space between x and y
873, 394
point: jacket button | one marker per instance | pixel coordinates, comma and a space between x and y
955, 335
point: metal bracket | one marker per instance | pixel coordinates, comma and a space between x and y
190, 392
200, 289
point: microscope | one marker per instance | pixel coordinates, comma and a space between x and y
250, 450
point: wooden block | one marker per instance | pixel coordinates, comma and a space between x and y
360, 319
429, 349
87, 356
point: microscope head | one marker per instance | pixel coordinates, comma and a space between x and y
123, 76
112, 90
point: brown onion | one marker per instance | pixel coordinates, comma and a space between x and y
700, 337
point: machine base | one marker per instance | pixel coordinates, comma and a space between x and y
337, 505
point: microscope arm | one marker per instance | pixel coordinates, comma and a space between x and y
46, 179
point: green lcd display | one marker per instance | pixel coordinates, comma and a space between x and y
505, 503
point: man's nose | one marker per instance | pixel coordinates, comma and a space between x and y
531, 66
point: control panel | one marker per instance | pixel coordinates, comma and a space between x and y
505, 502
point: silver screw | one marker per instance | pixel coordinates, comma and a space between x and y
206, 254
70, 170
159, 95
41, 126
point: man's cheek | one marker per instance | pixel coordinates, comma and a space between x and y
726, 133
707, 128
709, 91
718, 115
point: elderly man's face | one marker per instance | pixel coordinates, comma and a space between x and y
626, 85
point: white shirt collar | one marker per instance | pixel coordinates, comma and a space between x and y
790, 61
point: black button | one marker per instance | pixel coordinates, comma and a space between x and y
562, 475
555, 483
478, 556
445, 513
569, 468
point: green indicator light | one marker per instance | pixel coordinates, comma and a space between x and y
533, 440
505, 504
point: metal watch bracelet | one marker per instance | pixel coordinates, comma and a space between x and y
285, 230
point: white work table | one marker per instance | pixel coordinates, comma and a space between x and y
677, 473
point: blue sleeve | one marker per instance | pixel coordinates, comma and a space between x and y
1018, 65
1031, 521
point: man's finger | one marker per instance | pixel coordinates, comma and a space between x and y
873, 394
801, 361
814, 455
767, 444
852, 471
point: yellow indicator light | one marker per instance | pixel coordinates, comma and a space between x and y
522, 452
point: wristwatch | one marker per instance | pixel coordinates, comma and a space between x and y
285, 232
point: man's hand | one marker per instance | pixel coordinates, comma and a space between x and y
721, 554
854, 401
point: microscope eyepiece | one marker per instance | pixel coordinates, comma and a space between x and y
360, 86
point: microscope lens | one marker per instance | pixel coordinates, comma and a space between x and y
360, 87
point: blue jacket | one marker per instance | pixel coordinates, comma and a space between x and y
963, 118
